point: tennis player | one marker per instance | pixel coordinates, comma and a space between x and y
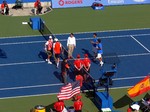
57, 48
94, 44
99, 52
48, 49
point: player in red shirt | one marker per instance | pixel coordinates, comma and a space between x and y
57, 48
86, 66
59, 106
78, 104
48, 49
78, 64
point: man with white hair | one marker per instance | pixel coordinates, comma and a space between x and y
48, 49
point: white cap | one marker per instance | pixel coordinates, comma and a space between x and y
50, 37
56, 39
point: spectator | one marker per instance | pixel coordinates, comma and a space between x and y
94, 44
86, 66
134, 107
57, 47
78, 104
48, 49
80, 79
59, 106
64, 68
71, 44
99, 51
38, 7
5, 8
78, 64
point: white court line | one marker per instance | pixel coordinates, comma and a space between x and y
21, 63
84, 91
36, 62
26, 96
15, 43
140, 43
136, 29
105, 37
28, 87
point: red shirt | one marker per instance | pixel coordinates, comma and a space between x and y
78, 105
57, 47
37, 3
3, 5
59, 106
86, 62
79, 78
78, 63
129, 110
49, 44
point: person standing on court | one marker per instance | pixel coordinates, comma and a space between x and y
86, 66
57, 47
78, 104
59, 106
94, 43
48, 49
64, 68
99, 52
78, 64
71, 44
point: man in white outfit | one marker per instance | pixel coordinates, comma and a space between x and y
71, 44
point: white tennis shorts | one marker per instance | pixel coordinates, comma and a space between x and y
99, 55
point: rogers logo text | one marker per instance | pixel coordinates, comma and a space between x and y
61, 2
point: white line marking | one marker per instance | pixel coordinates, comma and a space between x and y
140, 43
78, 33
25, 96
36, 62
21, 63
105, 37
28, 87
16, 43
127, 78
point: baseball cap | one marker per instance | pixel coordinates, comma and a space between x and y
50, 37
85, 55
56, 39
78, 56
78, 97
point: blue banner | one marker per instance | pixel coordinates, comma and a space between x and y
84, 3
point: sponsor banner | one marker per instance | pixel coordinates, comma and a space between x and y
72, 3
84, 3
125, 2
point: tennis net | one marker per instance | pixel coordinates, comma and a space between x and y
46, 32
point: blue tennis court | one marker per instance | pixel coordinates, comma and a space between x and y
24, 71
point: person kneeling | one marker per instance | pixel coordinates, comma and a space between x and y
5, 8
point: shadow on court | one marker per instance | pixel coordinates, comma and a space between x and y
2, 54
123, 101
42, 55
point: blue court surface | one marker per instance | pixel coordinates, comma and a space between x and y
24, 72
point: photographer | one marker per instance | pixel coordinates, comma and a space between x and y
38, 7
5, 8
